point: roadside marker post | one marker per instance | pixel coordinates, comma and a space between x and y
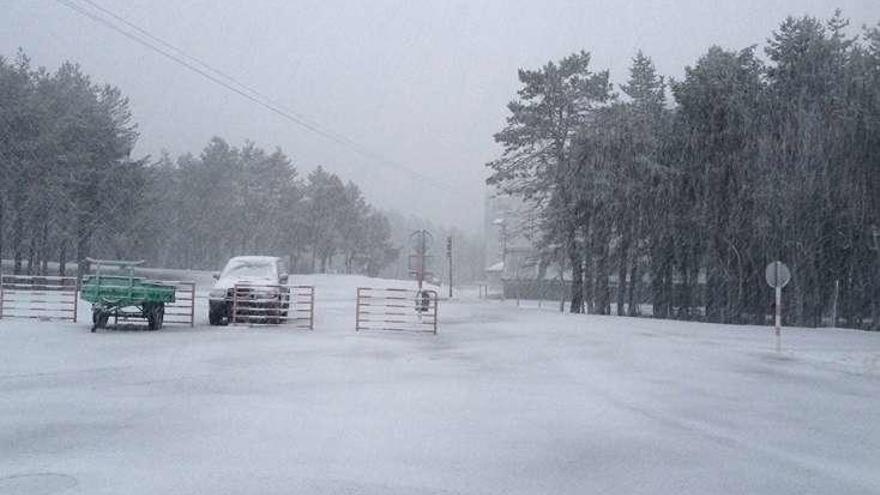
778, 276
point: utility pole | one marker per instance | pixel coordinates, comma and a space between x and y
418, 260
449, 257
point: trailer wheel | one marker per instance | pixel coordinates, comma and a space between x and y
155, 315
99, 319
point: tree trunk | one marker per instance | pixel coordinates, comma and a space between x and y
83, 244
589, 271
715, 285
623, 261
62, 258
17, 241
689, 281
793, 308
602, 292
577, 276
633, 298
562, 285
44, 248
660, 285
32, 255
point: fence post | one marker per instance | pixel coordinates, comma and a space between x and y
311, 308
231, 317
192, 305
75, 298
357, 312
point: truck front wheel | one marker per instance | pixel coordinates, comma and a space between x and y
217, 313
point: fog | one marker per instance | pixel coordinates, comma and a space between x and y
459, 247
423, 85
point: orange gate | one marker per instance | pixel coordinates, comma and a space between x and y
396, 309
38, 296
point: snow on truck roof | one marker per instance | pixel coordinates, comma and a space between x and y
255, 259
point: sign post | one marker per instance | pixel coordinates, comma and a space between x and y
778, 275
778, 310
418, 260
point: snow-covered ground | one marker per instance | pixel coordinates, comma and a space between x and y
503, 400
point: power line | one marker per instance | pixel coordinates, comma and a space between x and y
193, 59
228, 82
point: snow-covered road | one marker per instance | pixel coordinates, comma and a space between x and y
503, 400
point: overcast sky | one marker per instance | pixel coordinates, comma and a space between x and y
423, 84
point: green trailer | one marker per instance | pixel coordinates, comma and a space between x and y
122, 294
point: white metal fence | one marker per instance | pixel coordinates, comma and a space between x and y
183, 310
38, 296
396, 309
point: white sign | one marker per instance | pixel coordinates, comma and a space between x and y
777, 274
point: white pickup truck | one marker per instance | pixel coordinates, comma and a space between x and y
264, 276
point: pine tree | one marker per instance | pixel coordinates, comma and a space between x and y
554, 103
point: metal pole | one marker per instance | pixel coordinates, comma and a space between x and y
357, 312
192, 304
232, 317
312, 308
76, 283
778, 310
421, 259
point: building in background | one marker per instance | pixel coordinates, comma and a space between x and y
514, 264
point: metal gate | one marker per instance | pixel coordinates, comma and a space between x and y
38, 296
183, 309
396, 309
273, 304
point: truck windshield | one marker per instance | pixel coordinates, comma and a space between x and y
243, 268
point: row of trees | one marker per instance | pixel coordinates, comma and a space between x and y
227, 201
683, 205
65, 146
70, 190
